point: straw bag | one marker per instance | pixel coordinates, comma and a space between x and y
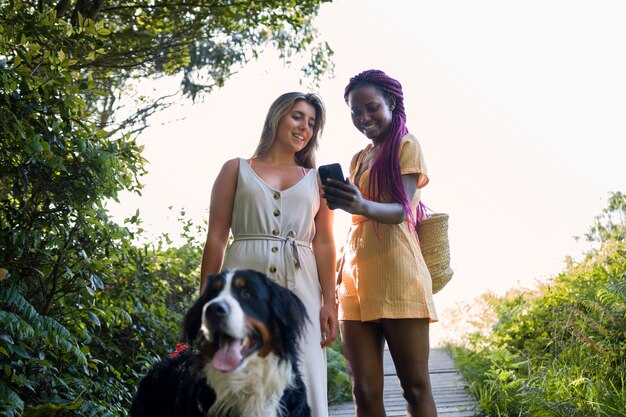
432, 232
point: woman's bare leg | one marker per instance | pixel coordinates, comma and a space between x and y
408, 342
363, 345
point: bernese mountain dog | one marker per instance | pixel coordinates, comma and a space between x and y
243, 359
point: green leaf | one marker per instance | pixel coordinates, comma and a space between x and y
97, 282
94, 318
19, 351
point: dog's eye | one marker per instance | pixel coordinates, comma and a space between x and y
246, 293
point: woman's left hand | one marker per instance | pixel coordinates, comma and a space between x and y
328, 324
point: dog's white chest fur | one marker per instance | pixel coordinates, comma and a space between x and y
254, 390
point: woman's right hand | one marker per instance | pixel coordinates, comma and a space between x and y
345, 196
348, 197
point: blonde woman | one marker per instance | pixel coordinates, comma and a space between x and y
281, 226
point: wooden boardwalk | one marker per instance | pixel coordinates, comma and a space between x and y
451, 397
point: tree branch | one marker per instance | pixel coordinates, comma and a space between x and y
62, 7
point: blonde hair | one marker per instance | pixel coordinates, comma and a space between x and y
279, 108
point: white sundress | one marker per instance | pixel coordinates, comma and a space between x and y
273, 231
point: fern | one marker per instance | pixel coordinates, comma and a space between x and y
27, 324
570, 333
614, 297
71, 348
12, 300
15, 325
11, 405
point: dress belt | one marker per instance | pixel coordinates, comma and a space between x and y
289, 239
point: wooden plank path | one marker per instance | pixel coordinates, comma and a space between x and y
451, 397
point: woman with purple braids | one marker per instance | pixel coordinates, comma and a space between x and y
383, 285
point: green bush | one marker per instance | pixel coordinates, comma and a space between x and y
557, 350
339, 388
89, 361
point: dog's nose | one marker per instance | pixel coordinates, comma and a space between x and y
218, 310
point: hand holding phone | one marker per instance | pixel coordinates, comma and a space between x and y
333, 171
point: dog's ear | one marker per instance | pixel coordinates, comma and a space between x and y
193, 320
289, 313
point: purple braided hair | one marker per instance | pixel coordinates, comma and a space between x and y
385, 172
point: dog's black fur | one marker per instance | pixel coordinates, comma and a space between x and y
189, 385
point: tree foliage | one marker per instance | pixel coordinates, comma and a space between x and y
204, 42
611, 223
84, 309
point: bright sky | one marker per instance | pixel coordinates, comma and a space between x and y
519, 107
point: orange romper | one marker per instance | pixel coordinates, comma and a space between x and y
386, 277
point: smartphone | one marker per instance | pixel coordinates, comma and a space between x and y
333, 171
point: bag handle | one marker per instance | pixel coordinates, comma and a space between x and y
422, 211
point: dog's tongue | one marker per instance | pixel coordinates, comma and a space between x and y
228, 357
